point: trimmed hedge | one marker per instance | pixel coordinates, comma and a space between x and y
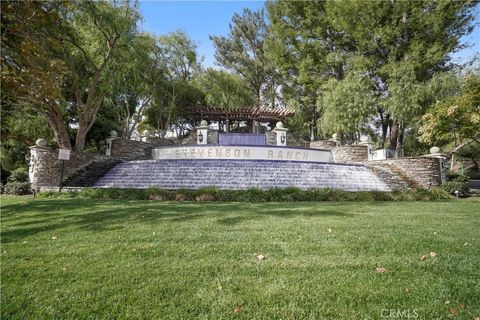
251, 195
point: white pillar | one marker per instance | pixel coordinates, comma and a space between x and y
113, 136
281, 133
40, 146
202, 132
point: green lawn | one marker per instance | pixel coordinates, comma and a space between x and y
77, 259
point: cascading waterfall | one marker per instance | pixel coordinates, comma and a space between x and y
240, 174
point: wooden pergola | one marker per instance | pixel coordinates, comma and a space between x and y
249, 114
241, 114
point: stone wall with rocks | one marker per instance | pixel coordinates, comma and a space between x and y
323, 144
131, 149
160, 141
45, 166
416, 172
271, 138
349, 154
292, 140
212, 137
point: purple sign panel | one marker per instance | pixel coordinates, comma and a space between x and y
242, 139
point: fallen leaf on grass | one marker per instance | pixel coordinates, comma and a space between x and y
477, 318
433, 254
381, 270
423, 258
261, 257
237, 309
453, 311
462, 305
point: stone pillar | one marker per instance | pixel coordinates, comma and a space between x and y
113, 136
442, 163
145, 135
336, 139
365, 141
36, 152
281, 134
202, 132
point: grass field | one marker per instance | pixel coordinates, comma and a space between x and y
78, 259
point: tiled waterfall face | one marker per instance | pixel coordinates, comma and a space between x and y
240, 174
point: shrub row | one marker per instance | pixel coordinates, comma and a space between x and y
17, 183
251, 195
456, 182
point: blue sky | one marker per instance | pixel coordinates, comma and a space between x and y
199, 19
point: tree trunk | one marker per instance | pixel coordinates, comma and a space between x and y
384, 120
81, 137
400, 136
57, 123
393, 135
313, 125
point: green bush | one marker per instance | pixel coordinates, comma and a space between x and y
60, 195
381, 196
17, 187
160, 194
408, 195
188, 194
363, 196
456, 182
18, 175
113, 194
252, 194
422, 194
207, 190
439, 194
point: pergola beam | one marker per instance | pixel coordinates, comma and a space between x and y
241, 114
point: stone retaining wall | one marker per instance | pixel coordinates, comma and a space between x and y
323, 144
212, 137
292, 141
45, 167
131, 149
418, 172
349, 154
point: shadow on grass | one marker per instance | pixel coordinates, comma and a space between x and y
96, 215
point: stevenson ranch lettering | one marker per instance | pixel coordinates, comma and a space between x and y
241, 153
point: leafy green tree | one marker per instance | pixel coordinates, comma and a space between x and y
60, 56
140, 72
350, 106
400, 45
243, 52
307, 51
33, 72
175, 91
456, 118
179, 55
223, 89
